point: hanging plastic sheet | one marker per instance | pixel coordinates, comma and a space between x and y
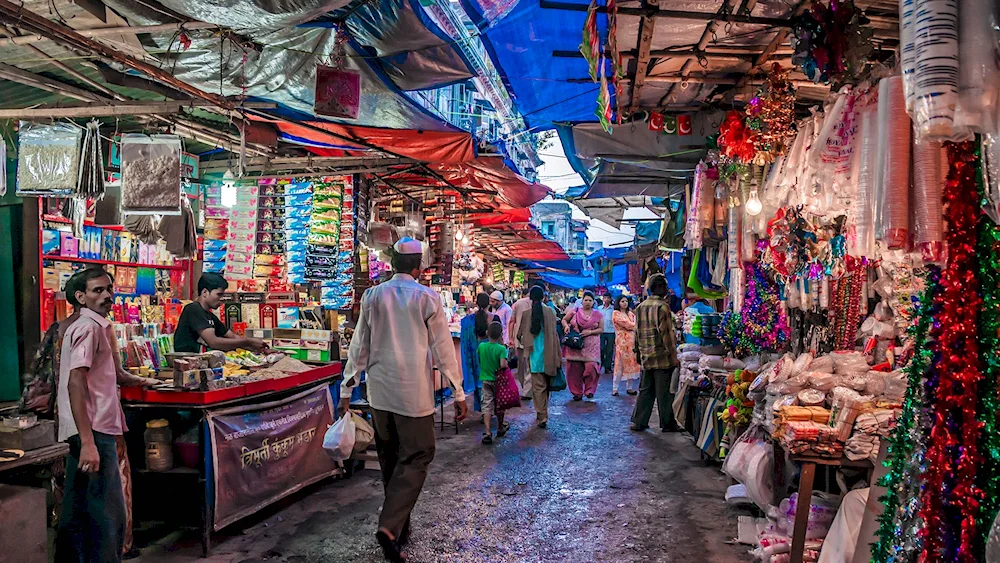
409, 47
430, 146
283, 71
692, 232
520, 37
490, 174
151, 174
255, 15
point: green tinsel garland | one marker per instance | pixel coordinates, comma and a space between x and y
897, 534
988, 477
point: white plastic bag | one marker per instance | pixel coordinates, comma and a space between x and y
364, 434
339, 439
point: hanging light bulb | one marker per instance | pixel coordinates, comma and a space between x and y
458, 234
753, 205
466, 240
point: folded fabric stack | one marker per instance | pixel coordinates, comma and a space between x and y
810, 438
862, 446
878, 422
689, 356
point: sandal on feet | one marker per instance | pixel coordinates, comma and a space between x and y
614, 393
503, 429
590, 395
637, 428
487, 439
390, 549
543, 425
577, 397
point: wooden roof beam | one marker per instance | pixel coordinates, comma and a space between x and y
646, 28
779, 38
127, 107
112, 31
673, 14
710, 31
15, 74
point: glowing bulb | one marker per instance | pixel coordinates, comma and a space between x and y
753, 205
458, 234
466, 240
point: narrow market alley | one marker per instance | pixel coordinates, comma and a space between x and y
586, 489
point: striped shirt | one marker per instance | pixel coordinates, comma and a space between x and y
655, 337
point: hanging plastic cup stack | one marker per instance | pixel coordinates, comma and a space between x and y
897, 169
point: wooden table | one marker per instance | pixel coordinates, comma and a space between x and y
807, 478
39, 456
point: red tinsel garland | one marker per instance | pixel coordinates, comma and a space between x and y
950, 498
736, 141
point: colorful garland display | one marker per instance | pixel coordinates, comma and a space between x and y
771, 116
898, 540
798, 247
950, 498
988, 478
832, 42
756, 328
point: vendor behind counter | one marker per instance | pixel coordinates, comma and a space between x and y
198, 326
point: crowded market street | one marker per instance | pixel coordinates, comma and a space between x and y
586, 489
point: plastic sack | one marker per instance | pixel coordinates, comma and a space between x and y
801, 363
847, 363
822, 381
895, 386
811, 397
340, 438
151, 174
48, 159
364, 434
689, 356
822, 364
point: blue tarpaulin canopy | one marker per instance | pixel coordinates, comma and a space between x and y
521, 38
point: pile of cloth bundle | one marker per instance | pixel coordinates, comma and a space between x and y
842, 382
774, 534
699, 363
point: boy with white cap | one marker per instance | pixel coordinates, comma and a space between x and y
402, 333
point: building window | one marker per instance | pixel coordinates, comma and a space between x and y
549, 228
580, 244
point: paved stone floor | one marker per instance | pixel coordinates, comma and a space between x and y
585, 489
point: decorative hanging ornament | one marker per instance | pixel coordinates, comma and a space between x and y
771, 115
736, 141
832, 42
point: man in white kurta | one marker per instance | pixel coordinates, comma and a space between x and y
401, 335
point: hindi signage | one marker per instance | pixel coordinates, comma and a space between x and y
262, 453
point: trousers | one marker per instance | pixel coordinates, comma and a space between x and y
540, 396
405, 449
92, 523
524, 373
582, 377
655, 387
608, 351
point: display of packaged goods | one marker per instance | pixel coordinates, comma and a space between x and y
48, 158
214, 255
50, 242
214, 267
151, 174
271, 248
243, 213
212, 244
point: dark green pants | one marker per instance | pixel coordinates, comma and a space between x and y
405, 450
92, 524
655, 386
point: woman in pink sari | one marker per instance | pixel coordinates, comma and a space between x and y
583, 366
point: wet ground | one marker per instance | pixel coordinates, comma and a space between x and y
585, 489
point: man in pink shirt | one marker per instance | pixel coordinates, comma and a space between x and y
92, 525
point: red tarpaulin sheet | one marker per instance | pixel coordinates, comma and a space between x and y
534, 250
491, 174
427, 146
501, 217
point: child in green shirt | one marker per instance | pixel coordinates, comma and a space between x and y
492, 360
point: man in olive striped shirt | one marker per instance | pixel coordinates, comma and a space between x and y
656, 351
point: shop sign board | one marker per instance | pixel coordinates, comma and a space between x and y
263, 453
338, 92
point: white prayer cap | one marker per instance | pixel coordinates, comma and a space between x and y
407, 245
496, 295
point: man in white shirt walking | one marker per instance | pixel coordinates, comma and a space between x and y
402, 333
607, 310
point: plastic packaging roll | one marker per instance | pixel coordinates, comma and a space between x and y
896, 173
908, 51
693, 232
883, 137
930, 167
864, 204
935, 84
978, 73
735, 237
